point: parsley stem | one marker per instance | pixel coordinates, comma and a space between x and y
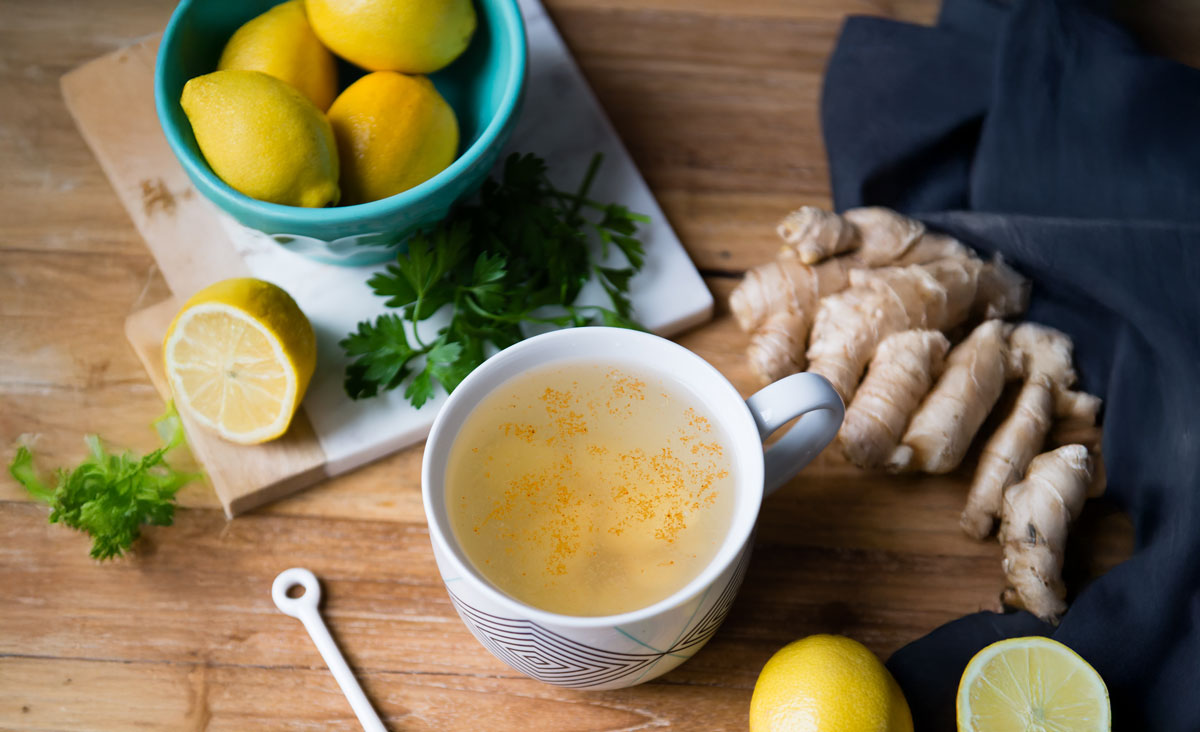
639, 218
415, 330
586, 184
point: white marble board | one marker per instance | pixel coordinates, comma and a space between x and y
561, 121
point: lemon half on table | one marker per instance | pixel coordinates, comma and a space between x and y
238, 357
1032, 683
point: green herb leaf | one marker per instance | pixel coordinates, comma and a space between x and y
110, 496
394, 285
383, 354
519, 255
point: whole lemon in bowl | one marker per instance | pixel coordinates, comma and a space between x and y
263, 138
827, 683
413, 36
483, 86
393, 132
280, 42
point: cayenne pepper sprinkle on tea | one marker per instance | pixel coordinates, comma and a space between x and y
589, 489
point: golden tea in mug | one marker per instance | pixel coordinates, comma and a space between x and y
589, 488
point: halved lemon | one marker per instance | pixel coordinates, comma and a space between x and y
1031, 683
238, 357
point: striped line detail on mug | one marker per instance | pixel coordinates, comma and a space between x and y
555, 659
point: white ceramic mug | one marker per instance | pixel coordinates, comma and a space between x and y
615, 651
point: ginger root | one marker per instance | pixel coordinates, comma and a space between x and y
1044, 355
776, 349
879, 302
878, 289
960, 277
903, 369
821, 250
883, 235
1002, 291
930, 247
942, 428
776, 302
815, 234
1033, 533
1077, 407
786, 285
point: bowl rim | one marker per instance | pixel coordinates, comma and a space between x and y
231, 200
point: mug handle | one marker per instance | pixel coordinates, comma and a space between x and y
808, 396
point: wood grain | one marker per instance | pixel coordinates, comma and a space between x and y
112, 101
717, 100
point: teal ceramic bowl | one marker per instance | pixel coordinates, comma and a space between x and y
484, 86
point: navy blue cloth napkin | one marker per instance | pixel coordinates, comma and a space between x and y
1042, 130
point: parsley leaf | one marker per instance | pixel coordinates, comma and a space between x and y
110, 496
518, 256
383, 356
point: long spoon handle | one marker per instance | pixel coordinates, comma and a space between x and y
304, 608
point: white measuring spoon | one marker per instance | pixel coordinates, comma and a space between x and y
304, 609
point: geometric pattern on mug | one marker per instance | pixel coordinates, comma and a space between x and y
554, 659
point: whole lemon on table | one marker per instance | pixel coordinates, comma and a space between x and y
280, 42
238, 358
827, 683
413, 36
393, 131
263, 138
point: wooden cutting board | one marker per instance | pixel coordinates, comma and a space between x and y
112, 101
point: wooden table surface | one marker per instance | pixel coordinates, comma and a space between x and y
717, 100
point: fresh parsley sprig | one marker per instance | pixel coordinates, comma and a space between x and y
518, 256
110, 496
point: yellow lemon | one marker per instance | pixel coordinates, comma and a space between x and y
413, 36
280, 42
827, 683
263, 137
238, 358
393, 131
1031, 683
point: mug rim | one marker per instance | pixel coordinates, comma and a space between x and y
748, 481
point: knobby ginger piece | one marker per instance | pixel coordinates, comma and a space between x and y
786, 285
776, 349
815, 234
884, 235
1033, 532
1003, 292
942, 428
1077, 407
960, 277
1075, 416
932, 246
1044, 355
787, 292
851, 324
903, 369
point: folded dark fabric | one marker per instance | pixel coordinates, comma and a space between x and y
1045, 108
1085, 150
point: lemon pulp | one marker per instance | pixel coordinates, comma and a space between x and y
1031, 684
238, 358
